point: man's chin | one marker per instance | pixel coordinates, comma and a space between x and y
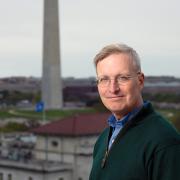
117, 110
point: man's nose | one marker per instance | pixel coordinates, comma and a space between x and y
113, 86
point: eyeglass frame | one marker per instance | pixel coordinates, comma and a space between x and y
119, 79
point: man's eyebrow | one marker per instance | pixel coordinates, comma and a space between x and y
117, 75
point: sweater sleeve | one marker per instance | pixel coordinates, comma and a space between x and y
165, 164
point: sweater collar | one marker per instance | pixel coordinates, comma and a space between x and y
113, 122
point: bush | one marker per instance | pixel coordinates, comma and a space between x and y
13, 127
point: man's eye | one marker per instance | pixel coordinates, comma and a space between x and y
104, 80
123, 78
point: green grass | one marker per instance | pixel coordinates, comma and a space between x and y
49, 114
171, 114
34, 117
5, 114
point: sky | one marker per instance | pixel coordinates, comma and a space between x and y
151, 27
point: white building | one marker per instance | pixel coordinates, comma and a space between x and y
34, 170
63, 151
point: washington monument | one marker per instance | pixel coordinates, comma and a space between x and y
51, 72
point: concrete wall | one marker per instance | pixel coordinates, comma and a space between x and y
63, 148
22, 174
75, 150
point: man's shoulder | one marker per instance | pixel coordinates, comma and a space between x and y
160, 131
160, 125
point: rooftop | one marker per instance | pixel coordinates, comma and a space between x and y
79, 125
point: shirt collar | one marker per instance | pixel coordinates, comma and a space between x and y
113, 122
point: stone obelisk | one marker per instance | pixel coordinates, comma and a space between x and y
51, 73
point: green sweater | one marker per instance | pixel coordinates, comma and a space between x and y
147, 148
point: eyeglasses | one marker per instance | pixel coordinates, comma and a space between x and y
120, 80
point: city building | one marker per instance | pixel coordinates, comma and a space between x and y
63, 150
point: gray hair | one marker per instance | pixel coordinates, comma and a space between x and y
118, 49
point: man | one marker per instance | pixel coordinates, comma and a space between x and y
139, 143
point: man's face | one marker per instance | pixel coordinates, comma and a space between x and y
120, 97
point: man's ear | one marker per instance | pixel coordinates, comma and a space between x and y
141, 80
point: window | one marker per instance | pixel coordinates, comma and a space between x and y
9, 176
80, 178
54, 143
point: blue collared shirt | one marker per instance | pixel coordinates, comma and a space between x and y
117, 125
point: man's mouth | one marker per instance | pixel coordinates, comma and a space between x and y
115, 97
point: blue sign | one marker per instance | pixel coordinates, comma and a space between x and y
40, 106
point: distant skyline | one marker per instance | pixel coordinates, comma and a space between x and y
152, 28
